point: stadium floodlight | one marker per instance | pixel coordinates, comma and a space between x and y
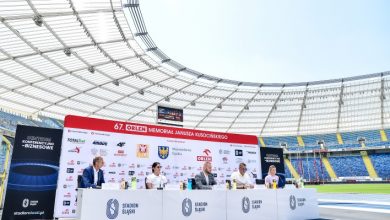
38, 20
91, 69
283, 144
193, 103
141, 91
167, 99
246, 107
361, 140
219, 106
116, 82
67, 52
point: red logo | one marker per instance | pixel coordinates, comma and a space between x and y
206, 157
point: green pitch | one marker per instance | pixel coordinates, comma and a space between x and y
352, 188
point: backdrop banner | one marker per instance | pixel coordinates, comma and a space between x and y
33, 174
129, 150
271, 156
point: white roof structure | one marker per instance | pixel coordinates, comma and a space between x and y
96, 59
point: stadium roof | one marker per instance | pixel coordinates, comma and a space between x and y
97, 59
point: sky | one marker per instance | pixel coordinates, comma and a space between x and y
273, 41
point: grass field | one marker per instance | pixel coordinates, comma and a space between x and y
352, 188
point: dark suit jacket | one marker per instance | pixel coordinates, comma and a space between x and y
88, 178
201, 183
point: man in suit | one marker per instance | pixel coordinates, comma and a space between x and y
93, 175
205, 179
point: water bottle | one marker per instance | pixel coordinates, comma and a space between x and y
273, 184
181, 185
234, 184
189, 184
133, 183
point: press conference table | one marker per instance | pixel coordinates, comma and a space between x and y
197, 204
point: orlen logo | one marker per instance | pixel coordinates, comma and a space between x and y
71, 162
67, 195
74, 150
136, 128
206, 156
69, 179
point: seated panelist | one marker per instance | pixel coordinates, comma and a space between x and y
156, 179
205, 179
243, 180
93, 175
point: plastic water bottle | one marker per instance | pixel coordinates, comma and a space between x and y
234, 184
189, 184
273, 184
133, 183
181, 185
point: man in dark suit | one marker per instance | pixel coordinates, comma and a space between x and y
205, 179
93, 175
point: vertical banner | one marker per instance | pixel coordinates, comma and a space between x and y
271, 156
33, 174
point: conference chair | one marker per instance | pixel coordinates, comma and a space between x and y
80, 183
282, 180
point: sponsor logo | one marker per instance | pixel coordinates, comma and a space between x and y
112, 209
69, 178
75, 131
142, 151
136, 128
80, 162
70, 163
102, 143
112, 165
74, 150
186, 207
25, 203
70, 170
251, 161
245, 205
76, 140
121, 144
122, 165
251, 152
94, 151
293, 202
122, 173
163, 152
206, 156
111, 172
120, 153
131, 173
67, 195
103, 152
224, 160
224, 151
239, 160
98, 133
66, 203
65, 212
238, 153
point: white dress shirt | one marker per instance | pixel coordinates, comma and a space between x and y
241, 179
95, 176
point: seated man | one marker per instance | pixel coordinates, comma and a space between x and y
243, 180
93, 175
205, 179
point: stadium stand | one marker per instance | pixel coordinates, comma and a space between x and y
348, 166
381, 164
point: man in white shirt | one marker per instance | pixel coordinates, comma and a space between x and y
156, 179
243, 180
